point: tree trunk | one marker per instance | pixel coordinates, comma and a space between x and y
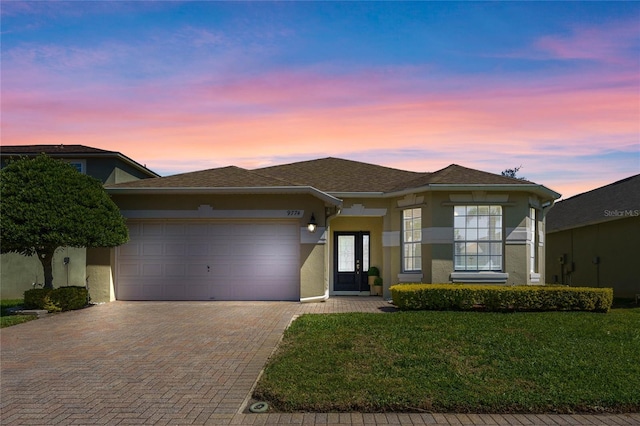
46, 258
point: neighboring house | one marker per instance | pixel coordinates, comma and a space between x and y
593, 238
18, 273
236, 234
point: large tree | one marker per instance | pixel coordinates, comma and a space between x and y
46, 204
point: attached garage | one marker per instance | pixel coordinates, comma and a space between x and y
209, 260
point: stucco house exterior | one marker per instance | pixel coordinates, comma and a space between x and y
235, 234
593, 238
17, 272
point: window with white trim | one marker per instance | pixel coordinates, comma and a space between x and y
412, 240
533, 241
478, 238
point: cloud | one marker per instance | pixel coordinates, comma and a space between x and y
223, 108
609, 43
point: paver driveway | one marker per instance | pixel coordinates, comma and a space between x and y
174, 363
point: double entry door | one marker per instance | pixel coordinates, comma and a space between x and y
351, 261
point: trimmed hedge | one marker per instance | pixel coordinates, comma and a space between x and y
500, 298
56, 300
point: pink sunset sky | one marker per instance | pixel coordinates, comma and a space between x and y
551, 87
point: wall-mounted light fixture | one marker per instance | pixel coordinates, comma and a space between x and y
312, 225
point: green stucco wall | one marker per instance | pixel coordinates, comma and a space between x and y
599, 255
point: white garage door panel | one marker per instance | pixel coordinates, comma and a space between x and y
178, 260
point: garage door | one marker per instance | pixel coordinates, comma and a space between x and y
182, 260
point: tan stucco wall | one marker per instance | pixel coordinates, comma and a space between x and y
100, 273
17, 272
437, 215
614, 243
312, 272
222, 202
316, 257
313, 281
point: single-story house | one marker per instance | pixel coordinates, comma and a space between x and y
309, 230
593, 238
17, 272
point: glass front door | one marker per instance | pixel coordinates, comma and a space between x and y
351, 261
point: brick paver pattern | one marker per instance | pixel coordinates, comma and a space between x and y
174, 363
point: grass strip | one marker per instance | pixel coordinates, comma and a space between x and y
6, 319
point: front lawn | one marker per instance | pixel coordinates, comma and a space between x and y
457, 362
6, 319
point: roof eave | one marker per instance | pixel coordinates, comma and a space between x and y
583, 224
540, 190
353, 194
327, 198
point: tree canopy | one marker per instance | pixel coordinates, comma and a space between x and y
47, 204
513, 173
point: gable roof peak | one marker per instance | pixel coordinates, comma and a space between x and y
337, 175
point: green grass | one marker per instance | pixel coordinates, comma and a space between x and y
7, 320
457, 362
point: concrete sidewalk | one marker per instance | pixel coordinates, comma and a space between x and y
171, 363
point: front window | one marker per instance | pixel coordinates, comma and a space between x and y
412, 240
478, 238
533, 241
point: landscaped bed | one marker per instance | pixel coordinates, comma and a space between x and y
7, 319
448, 361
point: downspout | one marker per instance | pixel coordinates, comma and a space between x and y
312, 299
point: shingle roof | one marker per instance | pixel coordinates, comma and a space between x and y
223, 177
614, 201
52, 149
329, 175
339, 175
459, 175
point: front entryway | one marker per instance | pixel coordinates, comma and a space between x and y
351, 261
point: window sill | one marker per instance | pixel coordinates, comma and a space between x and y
534, 277
480, 277
410, 277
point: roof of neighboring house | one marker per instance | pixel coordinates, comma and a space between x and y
52, 150
617, 200
71, 151
334, 176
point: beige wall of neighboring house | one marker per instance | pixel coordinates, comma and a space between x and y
20, 273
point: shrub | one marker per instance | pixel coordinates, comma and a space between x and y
36, 298
56, 300
500, 298
373, 271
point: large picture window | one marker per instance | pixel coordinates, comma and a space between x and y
412, 240
478, 238
533, 241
